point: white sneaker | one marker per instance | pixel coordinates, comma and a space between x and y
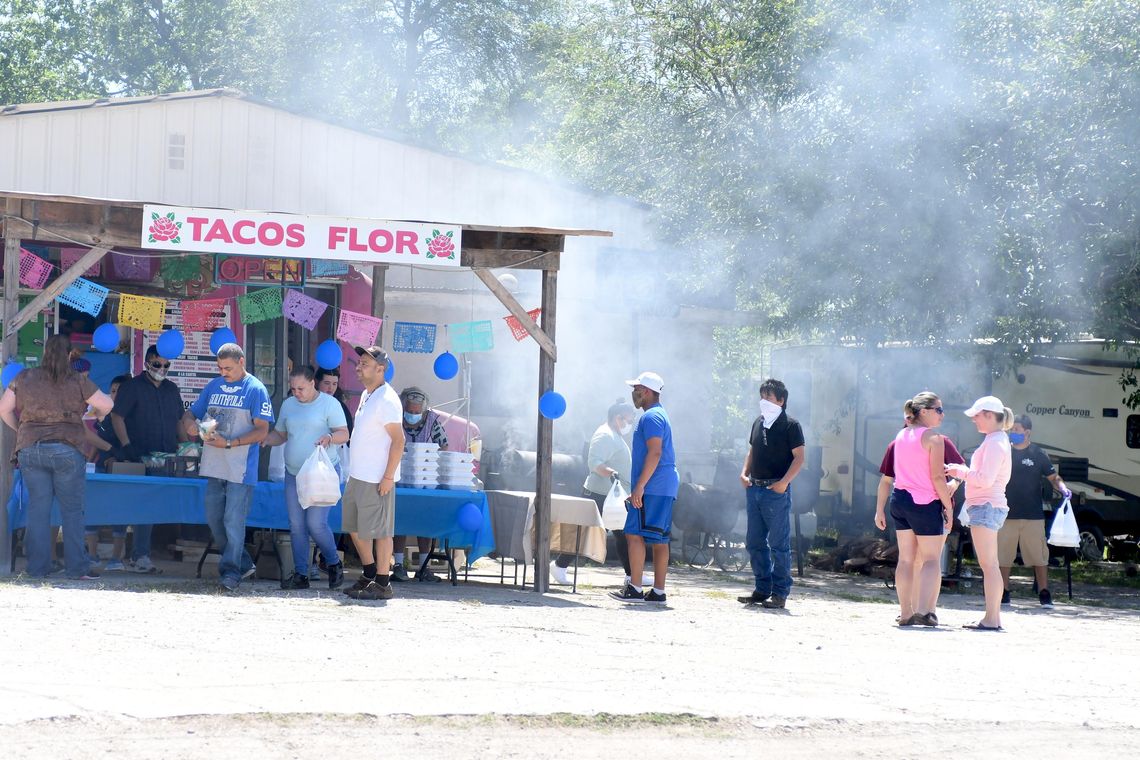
143, 565
559, 574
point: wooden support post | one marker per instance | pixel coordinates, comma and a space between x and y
12, 230
544, 455
379, 273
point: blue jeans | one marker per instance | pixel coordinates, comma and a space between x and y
227, 505
769, 540
54, 472
303, 523
140, 544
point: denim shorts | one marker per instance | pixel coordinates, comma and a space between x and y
983, 516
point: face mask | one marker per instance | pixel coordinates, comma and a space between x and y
770, 411
1018, 438
413, 419
158, 375
626, 429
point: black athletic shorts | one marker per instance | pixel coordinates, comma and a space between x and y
923, 519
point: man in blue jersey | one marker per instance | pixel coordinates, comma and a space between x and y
655, 480
232, 415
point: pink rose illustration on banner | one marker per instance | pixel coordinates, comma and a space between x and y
164, 228
440, 246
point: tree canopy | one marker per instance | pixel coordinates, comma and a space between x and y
931, 171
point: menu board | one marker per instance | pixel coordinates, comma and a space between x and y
197, 365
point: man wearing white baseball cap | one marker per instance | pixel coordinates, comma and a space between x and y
649, 518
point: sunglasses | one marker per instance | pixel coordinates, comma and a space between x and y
936, 409
160, 365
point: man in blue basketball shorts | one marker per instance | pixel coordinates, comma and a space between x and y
655, 480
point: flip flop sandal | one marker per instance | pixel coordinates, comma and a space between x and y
929, 619
910, 621
980, 627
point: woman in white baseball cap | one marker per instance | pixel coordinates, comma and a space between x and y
986, 509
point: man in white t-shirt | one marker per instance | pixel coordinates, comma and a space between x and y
369, 502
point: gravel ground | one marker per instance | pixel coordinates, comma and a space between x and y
167, 666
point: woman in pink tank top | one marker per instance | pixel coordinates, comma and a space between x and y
921, 508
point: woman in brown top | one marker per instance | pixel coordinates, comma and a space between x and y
45, 406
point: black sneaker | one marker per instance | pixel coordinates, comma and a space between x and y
399, 574
1046, 599
295, 582
628, 594
373, 592
774, 603
754, 598
653, 596
428, 575
336, 575
1005, 597
357, 587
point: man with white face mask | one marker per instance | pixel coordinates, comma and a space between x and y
608, 458
145, 418
775, 457
421, 425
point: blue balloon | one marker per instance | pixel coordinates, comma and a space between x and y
105, 338
469, 517
221, 336
9, 373
329, 355
390, 372
170, 344
446, 366
552, 405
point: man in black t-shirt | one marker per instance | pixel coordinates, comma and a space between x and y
1025, 524
147, 411
775, 457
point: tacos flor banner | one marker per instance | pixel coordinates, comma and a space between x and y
299, 236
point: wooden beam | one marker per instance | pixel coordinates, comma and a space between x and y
61, 283
545, 453
506, 240
545, 342
12, 234
11, 304
496, 259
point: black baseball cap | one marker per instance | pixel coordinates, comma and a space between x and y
377, 353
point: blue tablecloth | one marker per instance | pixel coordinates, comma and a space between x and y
128, 499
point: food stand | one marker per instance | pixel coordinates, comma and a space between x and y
217, 255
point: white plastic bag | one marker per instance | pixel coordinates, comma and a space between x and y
318, 485
613, 510
342, 456
1064, 531
277, 464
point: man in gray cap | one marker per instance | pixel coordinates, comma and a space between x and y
369, 503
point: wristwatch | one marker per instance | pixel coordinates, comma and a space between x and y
229, 444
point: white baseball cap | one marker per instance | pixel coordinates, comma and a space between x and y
986, 404
650, 380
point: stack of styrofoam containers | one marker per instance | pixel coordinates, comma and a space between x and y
419, 467
457, 470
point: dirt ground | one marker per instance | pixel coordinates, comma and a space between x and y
169, 667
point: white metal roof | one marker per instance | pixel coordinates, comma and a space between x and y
222, 149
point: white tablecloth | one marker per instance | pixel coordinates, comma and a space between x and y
567, 514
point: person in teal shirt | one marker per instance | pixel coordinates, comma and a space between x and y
308, 418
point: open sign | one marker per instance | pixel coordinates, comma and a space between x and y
249, 270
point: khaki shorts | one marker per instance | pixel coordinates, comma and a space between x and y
365, 512
1031, 535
